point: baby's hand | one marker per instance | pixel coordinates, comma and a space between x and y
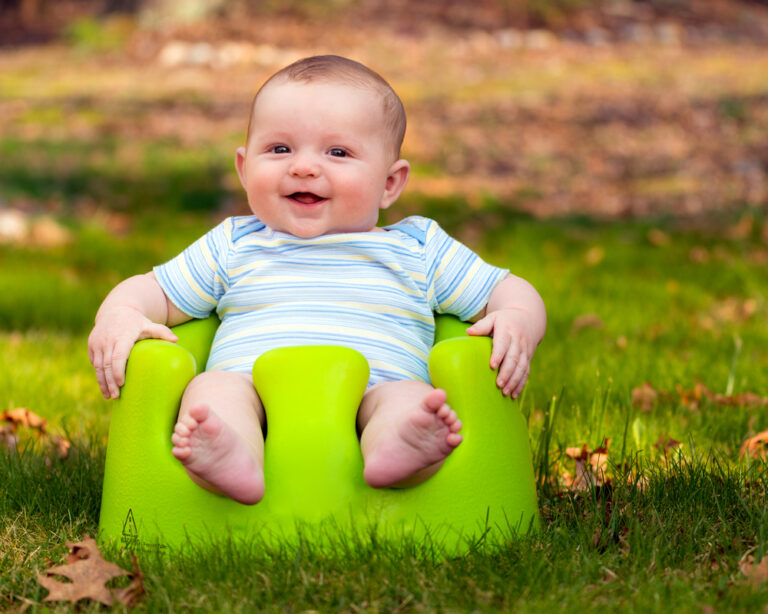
111, 340
512, 347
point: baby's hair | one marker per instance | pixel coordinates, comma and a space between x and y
334, 68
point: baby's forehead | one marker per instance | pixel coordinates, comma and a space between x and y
330, 83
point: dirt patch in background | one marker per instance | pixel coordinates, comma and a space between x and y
622, 112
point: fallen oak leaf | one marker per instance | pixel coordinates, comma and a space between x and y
131, 594
589, 467
598, 459
644, 397
756, 573
755, 447
745, 399
577, 453
8, 437
89, 574
692, 398
588, 320
61, 446
666, 443
21, 416
582, 476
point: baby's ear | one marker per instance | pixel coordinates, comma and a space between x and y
396, 180
240, 153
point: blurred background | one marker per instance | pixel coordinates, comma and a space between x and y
613, 109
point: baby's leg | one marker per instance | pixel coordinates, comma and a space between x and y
407, 431
218, 436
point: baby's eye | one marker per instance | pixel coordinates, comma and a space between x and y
337, 152
281, 149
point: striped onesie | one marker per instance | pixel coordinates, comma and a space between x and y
374, 291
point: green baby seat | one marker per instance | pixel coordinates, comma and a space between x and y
485, 491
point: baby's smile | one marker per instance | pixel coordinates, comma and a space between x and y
306, 198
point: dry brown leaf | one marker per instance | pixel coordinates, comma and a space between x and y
594, 255
734, 310
598, 459
8, 438
21, 416
665, 443
644, 397
588, 320
577, 453
12, 419
658, 238
582, 477
756, 573
755, 447
745, 399
131, 594
692, 398
89, 574
589, 467
61, 446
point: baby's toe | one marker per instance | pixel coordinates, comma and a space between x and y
189, 422
181, 452
453, 439
180, 440
199, 413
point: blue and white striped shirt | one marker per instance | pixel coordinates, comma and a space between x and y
372, 291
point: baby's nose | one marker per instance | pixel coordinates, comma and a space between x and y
304, 166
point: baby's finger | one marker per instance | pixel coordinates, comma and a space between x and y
506, 370
109, 374
109, 378
119, 360
97, 362
501, 348
160, 331
481, 327
523, 381
517, 381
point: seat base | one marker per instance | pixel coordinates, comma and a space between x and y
485, 490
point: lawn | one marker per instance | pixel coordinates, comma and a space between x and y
656, 348
625, 307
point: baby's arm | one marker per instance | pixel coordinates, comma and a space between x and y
137, 308
516, 319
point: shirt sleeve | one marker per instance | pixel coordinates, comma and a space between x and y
195, 280
460, 282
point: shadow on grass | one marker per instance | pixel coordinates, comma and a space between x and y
114, 173
55, 492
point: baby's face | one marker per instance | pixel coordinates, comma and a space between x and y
319, 159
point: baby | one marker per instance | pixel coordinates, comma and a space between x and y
322, 157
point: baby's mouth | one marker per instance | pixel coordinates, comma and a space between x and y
306, 198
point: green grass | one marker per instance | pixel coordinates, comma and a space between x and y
677, 542
660, 536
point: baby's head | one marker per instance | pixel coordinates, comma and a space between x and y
335, 69
323, 148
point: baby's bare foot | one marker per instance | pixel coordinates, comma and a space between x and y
427, 436
217, 456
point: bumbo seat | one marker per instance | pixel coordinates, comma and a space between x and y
485, 491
